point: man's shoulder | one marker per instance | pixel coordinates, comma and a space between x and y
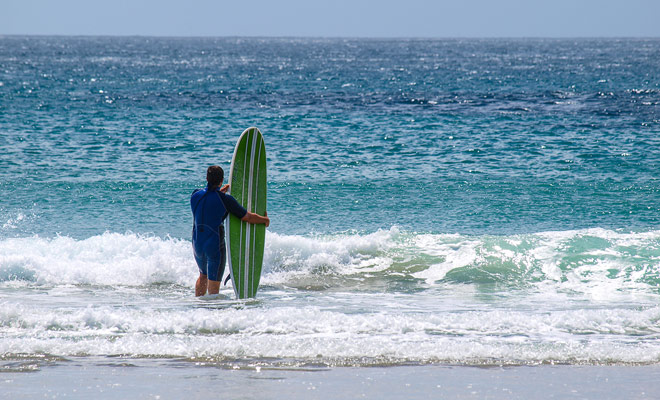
224, 195
233, 205
196, 191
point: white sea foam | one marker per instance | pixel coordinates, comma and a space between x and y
579, 296
312, 333
596, 262
292, 255
13, 222
108, 259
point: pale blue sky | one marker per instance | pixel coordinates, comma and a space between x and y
343, 18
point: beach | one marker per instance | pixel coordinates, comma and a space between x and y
175, 379
451, 218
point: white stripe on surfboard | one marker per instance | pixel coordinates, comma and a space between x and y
256, 199
253, 198
249, 256
260, 138
244, 225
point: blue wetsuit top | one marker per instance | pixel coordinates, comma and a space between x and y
210, 208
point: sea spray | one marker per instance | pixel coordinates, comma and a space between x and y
590, 262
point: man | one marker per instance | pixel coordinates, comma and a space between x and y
210, 207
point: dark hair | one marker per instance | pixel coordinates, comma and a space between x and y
215, 175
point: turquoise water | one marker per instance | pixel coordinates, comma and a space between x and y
478, 136
462, 201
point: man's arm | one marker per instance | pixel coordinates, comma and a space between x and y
236, 209
253, 218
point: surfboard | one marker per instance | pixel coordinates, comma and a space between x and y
247, 184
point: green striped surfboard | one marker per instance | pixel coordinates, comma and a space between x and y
247, 180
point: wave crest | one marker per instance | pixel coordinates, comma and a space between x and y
595, 261
107, 259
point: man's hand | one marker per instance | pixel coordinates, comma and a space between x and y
225, 188
253, 218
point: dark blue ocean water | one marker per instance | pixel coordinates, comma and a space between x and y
443, 136
463, 201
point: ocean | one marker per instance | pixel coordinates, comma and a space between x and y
443, 206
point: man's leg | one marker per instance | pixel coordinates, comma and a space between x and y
201, 285
216, 266
214, 287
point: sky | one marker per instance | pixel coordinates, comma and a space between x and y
333, 18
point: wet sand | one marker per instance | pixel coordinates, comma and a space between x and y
113, 378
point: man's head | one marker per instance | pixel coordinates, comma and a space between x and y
214, 176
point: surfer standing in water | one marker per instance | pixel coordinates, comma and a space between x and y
210, 206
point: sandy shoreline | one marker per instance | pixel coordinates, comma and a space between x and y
113, 378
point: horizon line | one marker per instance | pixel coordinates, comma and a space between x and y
155, 36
